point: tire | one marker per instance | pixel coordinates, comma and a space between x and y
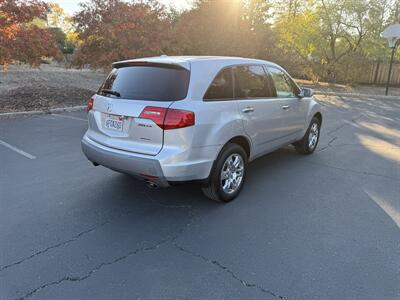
306, 145
215, 188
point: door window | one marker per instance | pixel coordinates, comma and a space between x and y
284, 86
222, 86
251, 82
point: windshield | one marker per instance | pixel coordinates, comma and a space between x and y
154, 83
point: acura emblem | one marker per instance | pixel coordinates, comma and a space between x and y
109, 107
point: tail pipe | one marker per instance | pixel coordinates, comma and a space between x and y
151, 184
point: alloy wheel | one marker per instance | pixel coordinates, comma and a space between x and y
313, 136
232, 173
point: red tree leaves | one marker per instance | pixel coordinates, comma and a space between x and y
20, 40
112, 30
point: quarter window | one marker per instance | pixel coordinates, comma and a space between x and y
222, 86
284, 86
251, 82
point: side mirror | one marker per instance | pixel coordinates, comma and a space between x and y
306, 93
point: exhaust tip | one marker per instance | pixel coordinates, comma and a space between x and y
151, 184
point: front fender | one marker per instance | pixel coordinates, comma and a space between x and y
313, 108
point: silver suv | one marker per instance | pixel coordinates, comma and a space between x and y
169, 120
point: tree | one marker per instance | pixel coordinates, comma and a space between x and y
335, 38
216, 28
379, 17
57, 17
259, 14
66, 46
290, 8
300, 38
396, 11
111, 30
344, 26
61, 26
20, 39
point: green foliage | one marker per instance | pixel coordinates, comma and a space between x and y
61, 25
331, 35
66, 46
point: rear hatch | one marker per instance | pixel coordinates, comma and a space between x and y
127, 105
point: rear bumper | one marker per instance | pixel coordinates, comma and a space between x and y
168, 166
124, 162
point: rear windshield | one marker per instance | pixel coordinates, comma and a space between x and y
147, 83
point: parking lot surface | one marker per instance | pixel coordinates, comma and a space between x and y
325, 226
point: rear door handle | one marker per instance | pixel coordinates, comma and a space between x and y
286, 107
248, 109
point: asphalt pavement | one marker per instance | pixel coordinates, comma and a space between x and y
325, 226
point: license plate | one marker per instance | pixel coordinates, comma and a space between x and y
113, 123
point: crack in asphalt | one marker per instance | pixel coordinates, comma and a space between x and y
97, 268
156, 246
74, 238
355, 171
229, 271
336, 129
169, 239
335, 138
328, 145
77, 236
63, 243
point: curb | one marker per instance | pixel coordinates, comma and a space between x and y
358, 95
42, 112
68, 109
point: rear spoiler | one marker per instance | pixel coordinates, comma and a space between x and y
127, 63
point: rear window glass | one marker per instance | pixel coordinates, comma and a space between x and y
147, 83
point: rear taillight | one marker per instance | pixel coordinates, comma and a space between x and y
168, 118
90, 105
154, 113
177, 118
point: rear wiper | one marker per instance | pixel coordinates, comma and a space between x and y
111, 92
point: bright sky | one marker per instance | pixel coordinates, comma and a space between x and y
71, 6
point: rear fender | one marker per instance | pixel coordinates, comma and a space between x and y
216, 122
